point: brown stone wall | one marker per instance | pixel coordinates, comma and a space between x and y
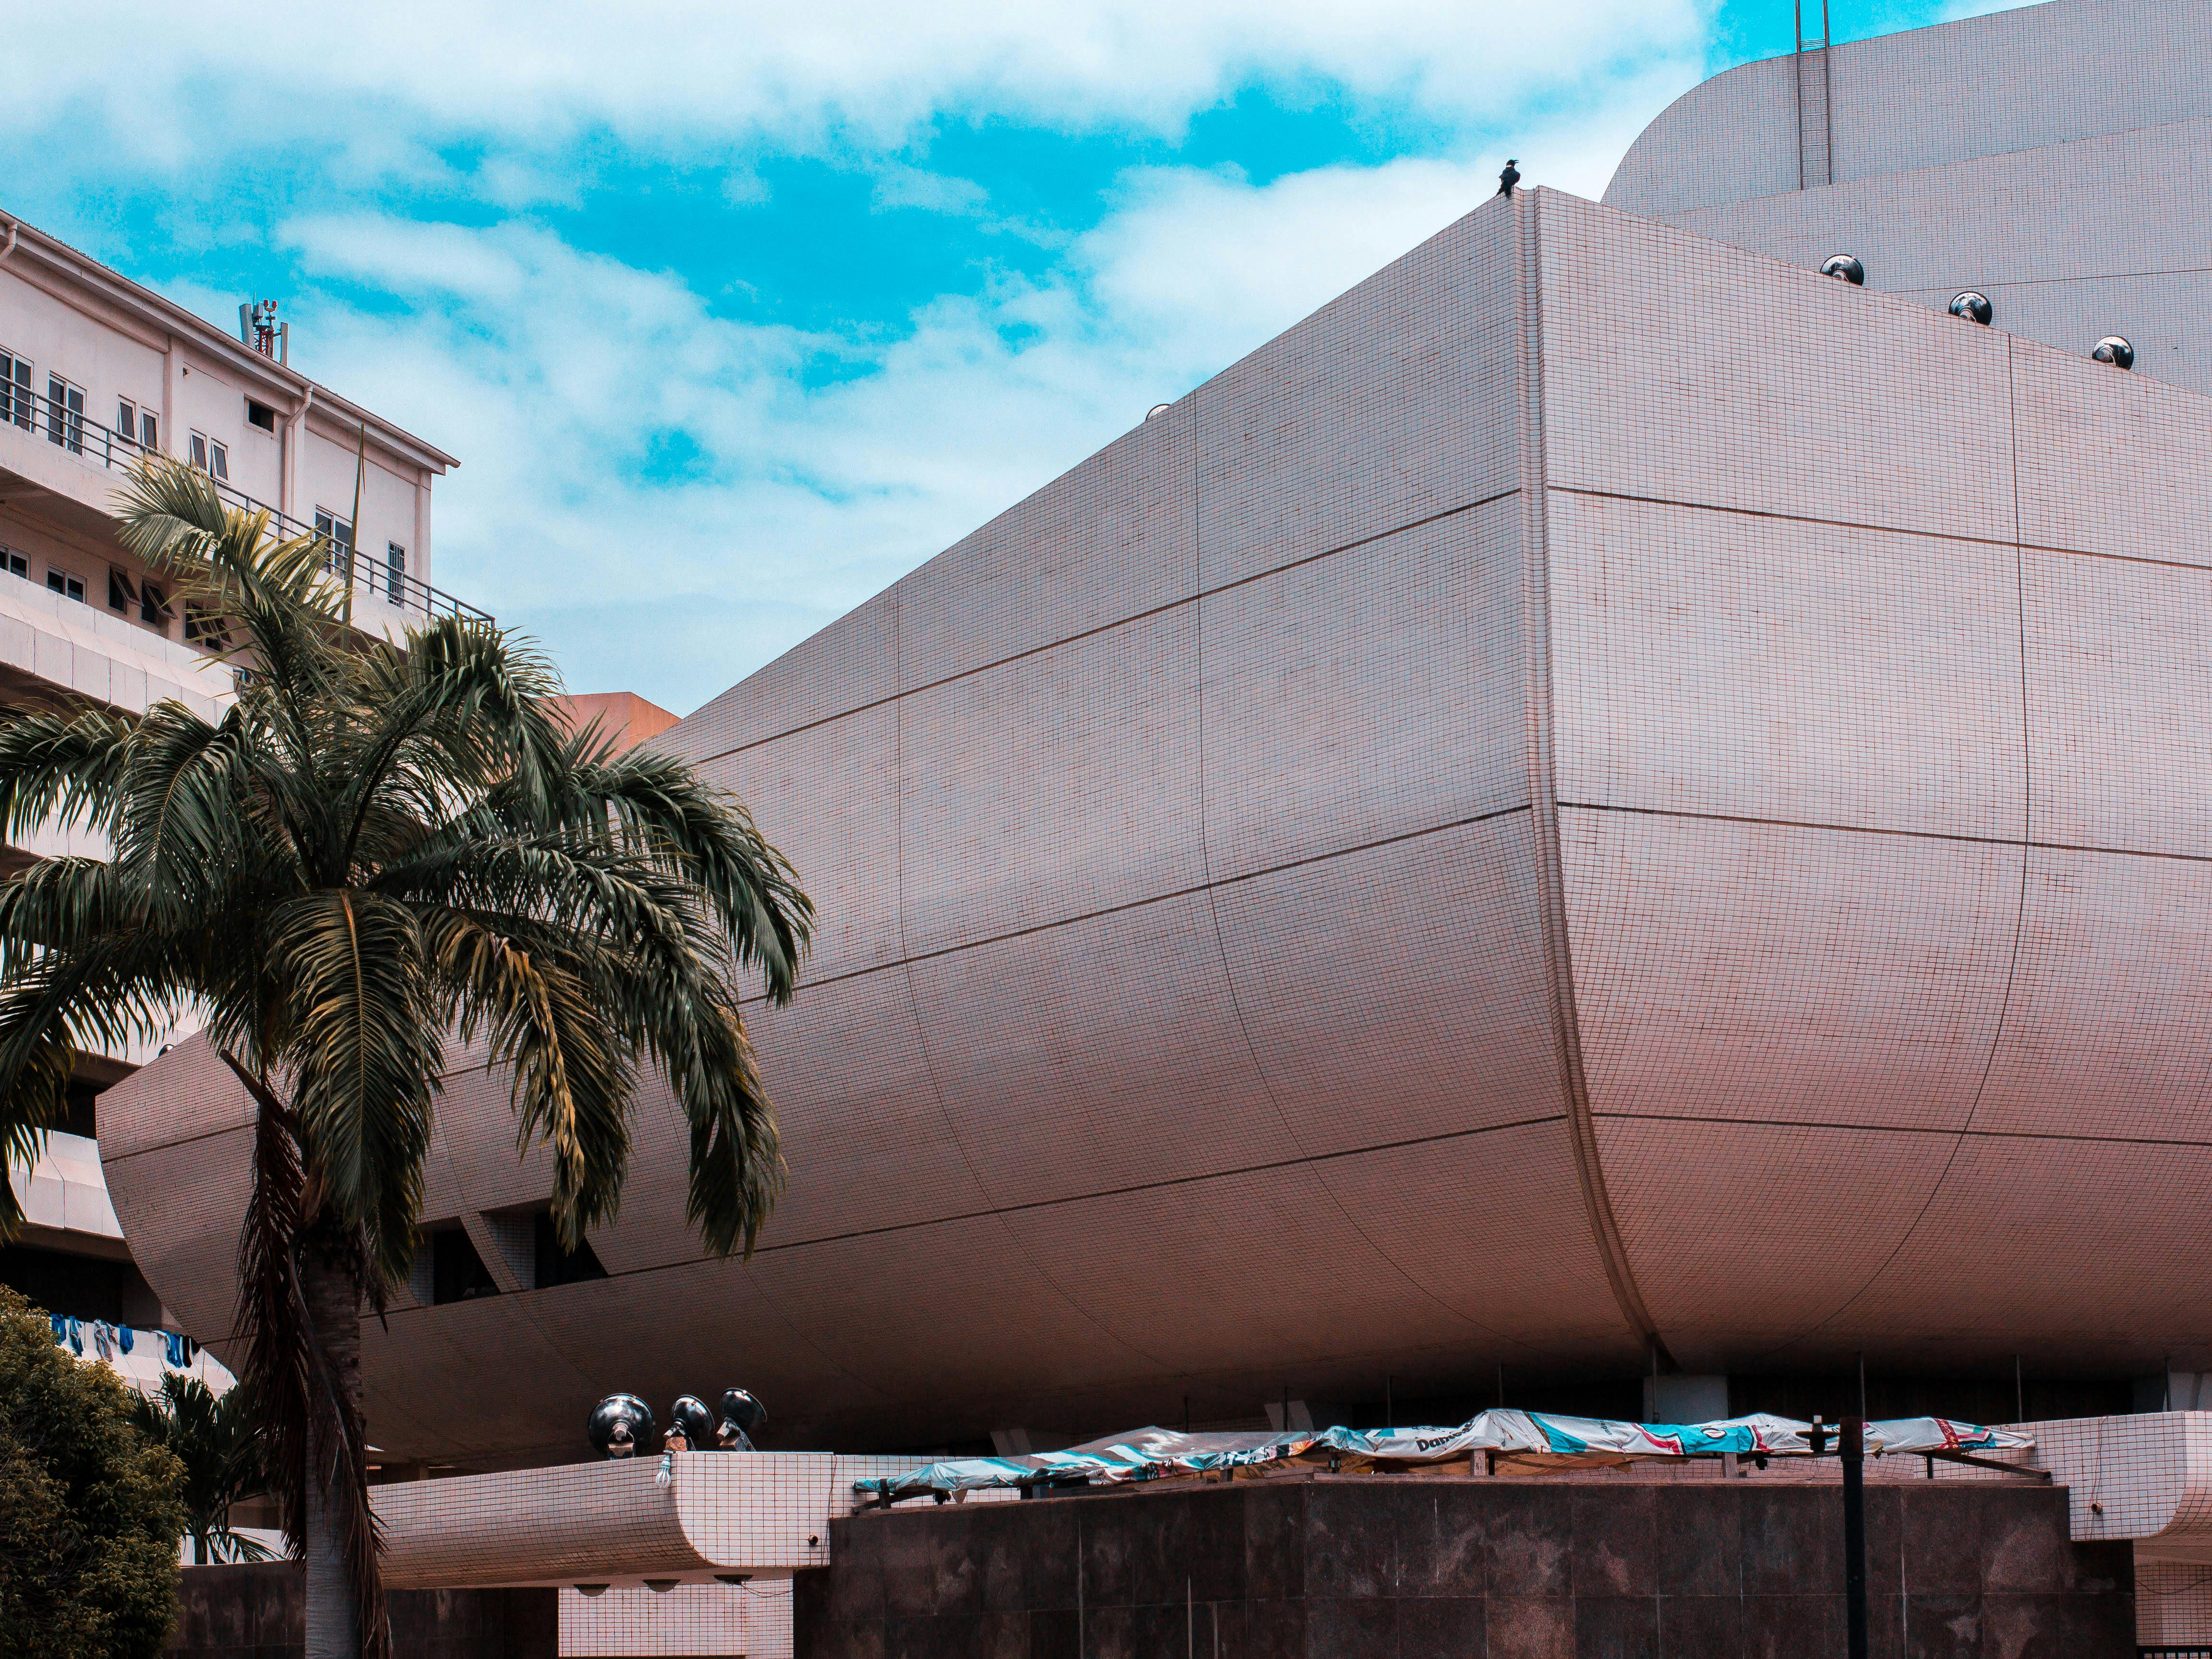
258, 1611
1369, 1568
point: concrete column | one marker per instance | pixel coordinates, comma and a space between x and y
171, 372
418, 557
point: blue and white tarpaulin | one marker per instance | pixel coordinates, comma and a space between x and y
1531, 1442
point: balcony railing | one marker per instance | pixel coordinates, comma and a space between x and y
25, 411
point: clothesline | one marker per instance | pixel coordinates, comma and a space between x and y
140, 1356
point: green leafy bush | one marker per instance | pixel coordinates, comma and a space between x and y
90, 1516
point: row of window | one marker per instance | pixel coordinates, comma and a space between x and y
135, 427
125, 595
140, 427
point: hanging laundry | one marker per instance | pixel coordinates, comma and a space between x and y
103, 1340
176, 1348
75, 1334
125, 1338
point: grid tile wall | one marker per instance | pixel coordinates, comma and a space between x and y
2173, 1603
1190, 1030
1926, 98
692, 1621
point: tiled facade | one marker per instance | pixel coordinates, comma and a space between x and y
1513, 822
2055, 158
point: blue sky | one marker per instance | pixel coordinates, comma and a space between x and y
736, 312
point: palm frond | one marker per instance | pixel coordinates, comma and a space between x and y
535, 991
670, 814
365, 1056
59, 768
99, 993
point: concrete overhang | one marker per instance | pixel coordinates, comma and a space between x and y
690, 1517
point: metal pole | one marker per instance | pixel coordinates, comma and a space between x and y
2019, 1391
1855, 1590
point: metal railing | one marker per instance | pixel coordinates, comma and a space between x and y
25, 412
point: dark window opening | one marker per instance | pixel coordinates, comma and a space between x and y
260, 414
86, 1287
78, 1117
456, 1272
206, 628
122, 592
153, 606
556, 1266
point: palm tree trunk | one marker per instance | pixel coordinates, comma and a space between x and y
333, 1297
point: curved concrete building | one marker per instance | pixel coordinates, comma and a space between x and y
1604, 797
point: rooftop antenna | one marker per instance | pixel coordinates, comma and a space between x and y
257, 327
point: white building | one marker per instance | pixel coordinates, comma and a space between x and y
95, 372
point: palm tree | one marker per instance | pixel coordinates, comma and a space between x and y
216, 1439
376, 851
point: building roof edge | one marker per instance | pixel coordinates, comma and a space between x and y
111, 285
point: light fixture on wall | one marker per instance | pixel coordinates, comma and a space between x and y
1844, 268
2114, 349
1974, 307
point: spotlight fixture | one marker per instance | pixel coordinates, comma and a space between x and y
1974, 307
2115, 349
1156, 412
660, 1586
1844, 268
620, 1426
591, 1590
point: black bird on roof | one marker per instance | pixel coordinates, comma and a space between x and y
1510, 177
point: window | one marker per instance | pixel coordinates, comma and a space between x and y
395, 574
210, 455
137, 426
16, 388
122, 592
65, 415
260, 414
205, 629
61, 582
14, 563
456, 1272
154, 606
338, 540
556, 1266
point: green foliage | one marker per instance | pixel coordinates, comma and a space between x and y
378, 848
375, 846
217, 1441
89, 1510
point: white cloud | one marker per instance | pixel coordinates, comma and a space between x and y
671, 496
180, 81
902, 186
